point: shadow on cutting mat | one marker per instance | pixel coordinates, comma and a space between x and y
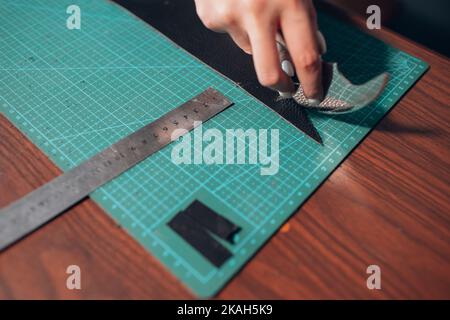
388, 125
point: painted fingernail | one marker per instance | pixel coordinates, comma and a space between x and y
288, 68
322, 43
314, 102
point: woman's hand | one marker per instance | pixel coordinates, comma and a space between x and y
253, 25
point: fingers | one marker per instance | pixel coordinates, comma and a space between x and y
300, 32
240, 37
266, 58
252, 24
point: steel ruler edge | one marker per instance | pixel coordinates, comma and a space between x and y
53, 198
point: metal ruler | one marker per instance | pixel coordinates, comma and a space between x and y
45, 203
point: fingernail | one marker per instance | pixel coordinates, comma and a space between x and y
288, 68
314, 102
285, 94
322, 43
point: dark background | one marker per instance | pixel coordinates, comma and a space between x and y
424, 21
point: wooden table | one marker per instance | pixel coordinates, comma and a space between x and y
387, 204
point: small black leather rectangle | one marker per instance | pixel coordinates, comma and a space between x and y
200, 239
213, 222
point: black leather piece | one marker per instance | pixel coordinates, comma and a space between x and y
212, 221
197, 236
177, 19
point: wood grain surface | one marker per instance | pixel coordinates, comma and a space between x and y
387, 204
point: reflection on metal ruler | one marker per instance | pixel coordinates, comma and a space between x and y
48, 201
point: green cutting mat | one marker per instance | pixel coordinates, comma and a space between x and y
75, 92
